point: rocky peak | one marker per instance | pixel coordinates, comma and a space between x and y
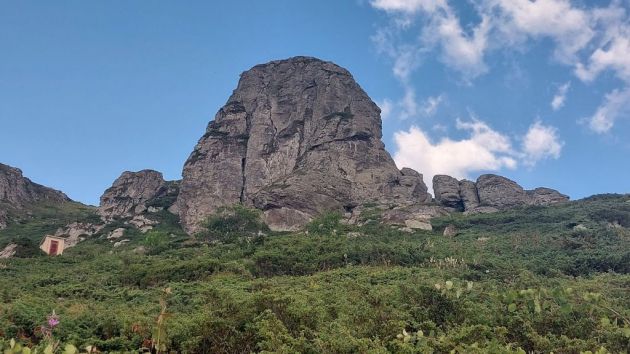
490, 193
130, 194
297, 137
17, 191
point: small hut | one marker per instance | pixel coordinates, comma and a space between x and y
53, 245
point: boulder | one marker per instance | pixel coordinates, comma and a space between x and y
116, 234
468, 194
8, 251
414, 216
546, 196
446, 190
500, 192
296, 138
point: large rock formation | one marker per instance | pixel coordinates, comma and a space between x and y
446, 190
18, 192
133, 193
490, 193
297, 137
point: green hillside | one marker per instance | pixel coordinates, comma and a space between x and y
539, 279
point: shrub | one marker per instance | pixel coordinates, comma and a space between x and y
326, 224
232, 223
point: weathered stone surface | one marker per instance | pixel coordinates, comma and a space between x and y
546, 196
481, 210
500, 192
17, 191
414, 216
489, 194
116, 234
413, 187
130, 193
446, 190
142, 223
468, 194
8, 251
76, 232
296, 138
450, 231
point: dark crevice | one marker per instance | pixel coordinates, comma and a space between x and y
242, 197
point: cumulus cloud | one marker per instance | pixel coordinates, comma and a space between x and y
518, 20
615, 105
483, 149
588, 39
561, 95
541, 142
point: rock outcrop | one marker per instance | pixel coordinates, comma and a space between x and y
500, 192
17, 191
8, 251
446, 190
297, 137
490, 193
468, 194
134, 192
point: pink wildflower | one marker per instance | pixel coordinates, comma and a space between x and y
53, 320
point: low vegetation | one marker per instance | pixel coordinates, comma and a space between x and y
532, 280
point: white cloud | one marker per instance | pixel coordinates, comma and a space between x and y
408, 6
560, 97
559, 20
386, 106
460, 51
408, 107
590, 40
431, 104
541, 142
483, 149
616, 104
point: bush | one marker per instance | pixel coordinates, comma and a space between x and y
233, 223
326, 224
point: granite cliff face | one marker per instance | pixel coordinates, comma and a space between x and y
490, 193
297, 137
18, 192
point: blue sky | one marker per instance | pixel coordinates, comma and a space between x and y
89, 89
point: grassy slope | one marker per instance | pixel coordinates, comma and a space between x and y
338, 293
